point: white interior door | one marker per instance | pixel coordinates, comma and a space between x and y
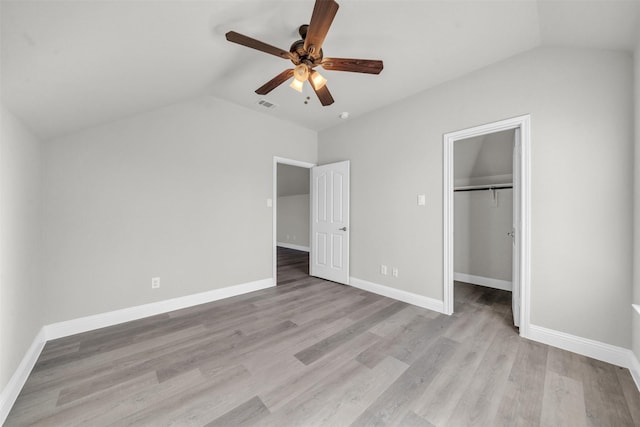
515, 231
330, 222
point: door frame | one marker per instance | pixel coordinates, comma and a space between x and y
524, 229
274, 248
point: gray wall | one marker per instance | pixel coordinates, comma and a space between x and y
292, 180
179, 193
21, 301
636, 198
485, 159
293, 220
581, 106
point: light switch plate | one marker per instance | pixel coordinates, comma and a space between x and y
269, 203
422, 200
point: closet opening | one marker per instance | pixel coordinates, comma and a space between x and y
483, 221
486, 219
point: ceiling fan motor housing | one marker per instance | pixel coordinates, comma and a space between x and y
301, 55
302, 30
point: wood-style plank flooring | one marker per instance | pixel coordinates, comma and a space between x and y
312, 352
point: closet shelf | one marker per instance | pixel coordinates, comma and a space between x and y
484, 187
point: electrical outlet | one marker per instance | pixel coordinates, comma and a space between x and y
394, 272
155, 282
383, 269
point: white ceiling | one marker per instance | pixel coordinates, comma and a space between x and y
68, 65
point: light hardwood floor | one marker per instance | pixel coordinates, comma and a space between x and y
311, 352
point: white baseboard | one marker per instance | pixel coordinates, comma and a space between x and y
89, 323
504, 285
408, 297
635, 369
16, 382
595, 349
70, 327
295, 247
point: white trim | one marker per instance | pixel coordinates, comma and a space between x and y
448, 183
110, 318
615, 355
408, 297
274, 216
525, 225
292, 162
16, 382
524, 123
634, 368
504, 285
635, 365
292, 246
595, 349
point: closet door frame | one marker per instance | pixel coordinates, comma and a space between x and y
523, 123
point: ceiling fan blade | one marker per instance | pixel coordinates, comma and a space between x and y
369, 66
323, 13
243, 40
275, 82
323, 94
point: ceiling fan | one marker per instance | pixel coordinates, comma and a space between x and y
306, 54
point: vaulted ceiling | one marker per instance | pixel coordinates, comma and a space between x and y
481, 158
68, 65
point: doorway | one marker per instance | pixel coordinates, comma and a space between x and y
519, 127
328, 218
291, 217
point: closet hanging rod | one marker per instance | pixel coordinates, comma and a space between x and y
483, 187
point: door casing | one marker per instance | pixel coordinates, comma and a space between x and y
523, 123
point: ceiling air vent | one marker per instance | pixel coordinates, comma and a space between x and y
267, 104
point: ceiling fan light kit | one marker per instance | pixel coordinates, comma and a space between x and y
296, 84
301, 72
306, 54
316, 80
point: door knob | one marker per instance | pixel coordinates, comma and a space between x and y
343, 229
511, 233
